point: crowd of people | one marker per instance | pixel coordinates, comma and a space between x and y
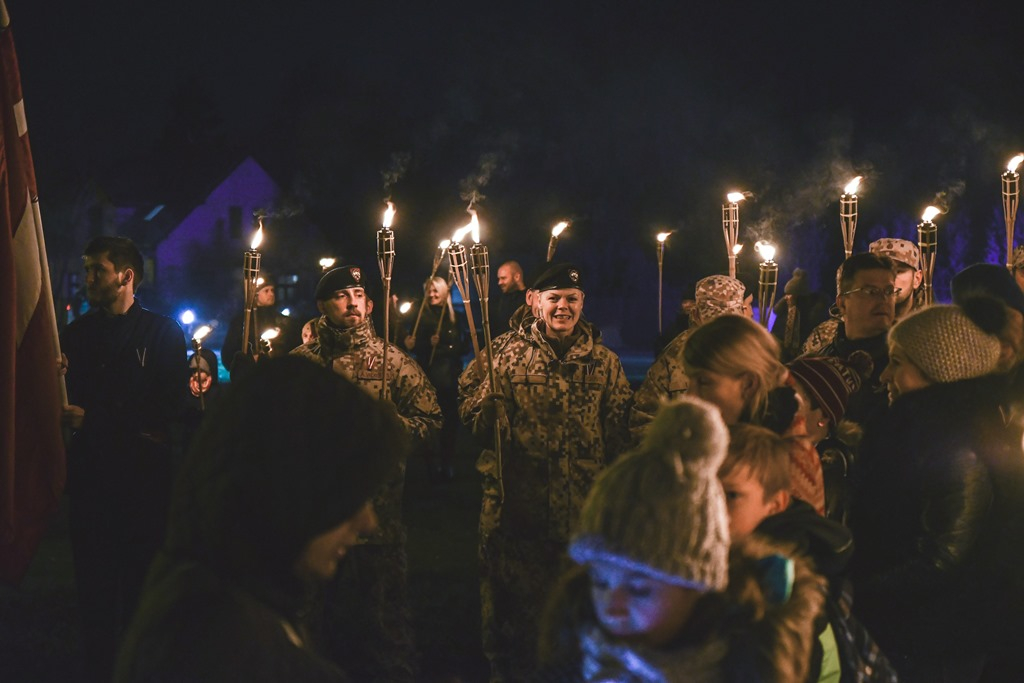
838, 499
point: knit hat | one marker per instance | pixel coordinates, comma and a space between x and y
797, 285
559, 276
986, 279
717, 295
903, 251
946, 344
830, 381
343, 277
660, 510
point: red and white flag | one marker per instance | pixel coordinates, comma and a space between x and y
32, 466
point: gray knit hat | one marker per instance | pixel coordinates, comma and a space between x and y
660, 510
946, 344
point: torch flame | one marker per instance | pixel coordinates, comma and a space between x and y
765, 249
327, 262
201, 332
444, 244
257, 238
930, 213
404, 308
737, 248
734, 197
851, 187
662, 236
557, 230
389, 215
474, 223
1014, 163
270, 334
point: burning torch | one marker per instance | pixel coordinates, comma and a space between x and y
250, 277
386, 261
848, 213
927, 238
662, 236
553, 242
731, 227
441, 249
460, 275
1011, 195
326, 263
768, 280
197, 346
481, 266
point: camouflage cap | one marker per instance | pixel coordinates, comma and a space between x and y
343, 277
559, 276
717, 295
903, 251
1018, 257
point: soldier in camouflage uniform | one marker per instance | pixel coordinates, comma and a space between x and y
562, 398
666, 379
907, 257
367, 624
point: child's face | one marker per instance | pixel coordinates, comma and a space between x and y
636, 607
745, 500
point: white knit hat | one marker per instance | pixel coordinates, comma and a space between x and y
946, 344
660, 510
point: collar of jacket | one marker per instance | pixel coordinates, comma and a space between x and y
335, 341
583, 348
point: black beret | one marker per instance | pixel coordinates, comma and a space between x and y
343, 277
559, 276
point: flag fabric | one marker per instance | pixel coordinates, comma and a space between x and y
32, 465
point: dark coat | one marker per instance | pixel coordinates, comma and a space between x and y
935, 518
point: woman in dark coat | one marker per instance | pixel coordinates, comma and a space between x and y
263, 510
438, 347
938, 499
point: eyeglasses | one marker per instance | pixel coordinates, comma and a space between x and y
870, 292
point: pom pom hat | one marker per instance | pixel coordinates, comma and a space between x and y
660, 510
830, 381
946, 344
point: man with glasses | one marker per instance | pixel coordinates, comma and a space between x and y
867, 308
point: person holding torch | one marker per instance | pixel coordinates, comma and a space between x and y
367, 620
563, 398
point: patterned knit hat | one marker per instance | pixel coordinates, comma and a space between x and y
830, 381
903, 251
946, 344
717, 295
660, 510
1018, 257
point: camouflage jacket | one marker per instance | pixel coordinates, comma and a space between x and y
568, 421
356, 353
665, 379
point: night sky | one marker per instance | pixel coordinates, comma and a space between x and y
629, 118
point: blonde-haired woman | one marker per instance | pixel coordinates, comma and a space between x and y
734, 363
438, 347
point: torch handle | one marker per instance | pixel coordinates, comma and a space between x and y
387, 337
552, 245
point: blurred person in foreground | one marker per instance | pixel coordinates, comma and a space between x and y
263, 510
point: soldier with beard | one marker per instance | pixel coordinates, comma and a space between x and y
367, 625
562, 397
127, 378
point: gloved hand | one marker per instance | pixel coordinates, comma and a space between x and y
492, 409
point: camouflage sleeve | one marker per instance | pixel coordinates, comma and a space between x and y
476, 388
615, 413
416, 402
820, 337
309, 351
648, 398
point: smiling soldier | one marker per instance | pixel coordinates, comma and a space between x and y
565, 398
